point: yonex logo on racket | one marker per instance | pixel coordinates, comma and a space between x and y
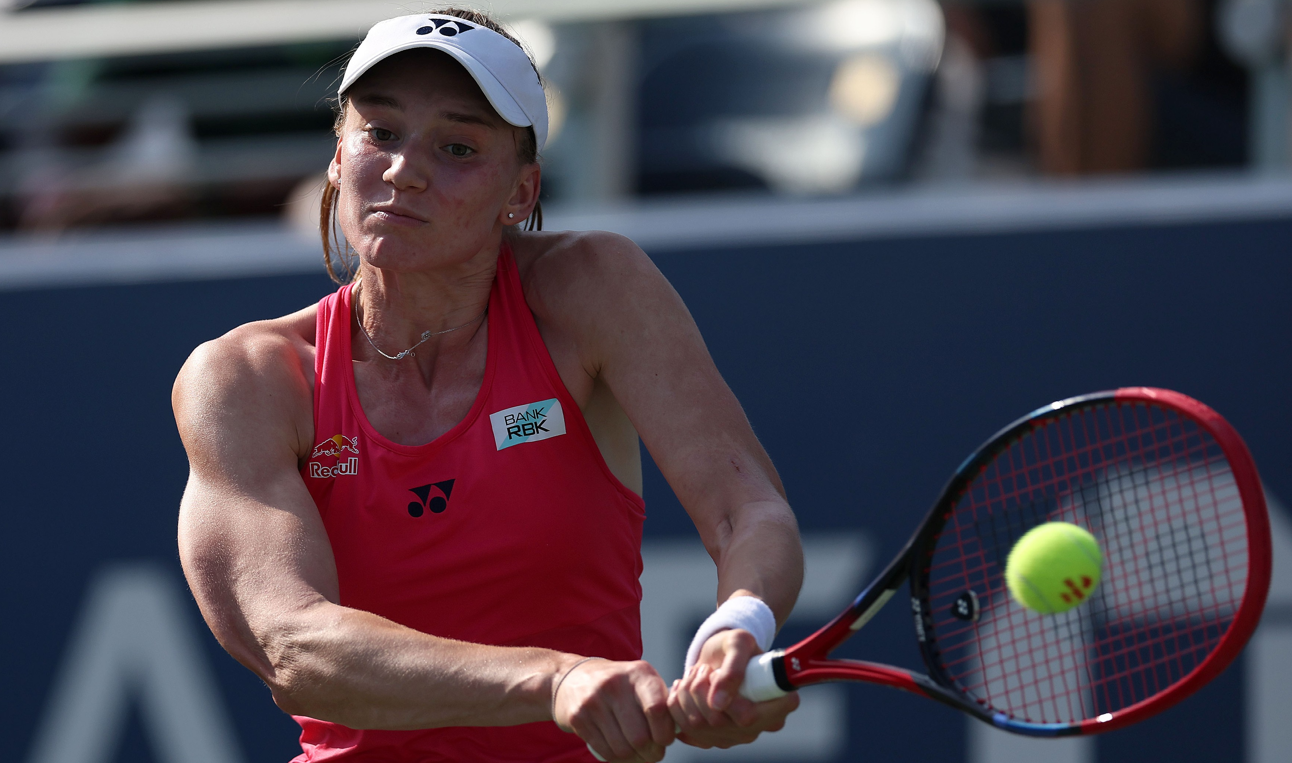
528, 423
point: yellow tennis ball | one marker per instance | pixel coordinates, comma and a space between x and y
1054, 567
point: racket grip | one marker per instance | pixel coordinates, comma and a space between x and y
760, 679
759, 685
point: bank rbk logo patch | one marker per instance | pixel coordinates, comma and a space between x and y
528, 423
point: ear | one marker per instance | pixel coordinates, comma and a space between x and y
524, 197
334, 167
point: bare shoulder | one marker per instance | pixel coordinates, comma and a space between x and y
259, 375
572, 274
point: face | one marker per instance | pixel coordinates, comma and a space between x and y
426, 170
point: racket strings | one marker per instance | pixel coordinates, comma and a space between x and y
1157, 492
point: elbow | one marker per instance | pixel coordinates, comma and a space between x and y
755, 519
769, 516
305, 678
287, 663
292, 694
309, 694
297, 679
299, 685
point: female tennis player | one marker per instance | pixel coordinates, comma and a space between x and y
415, 508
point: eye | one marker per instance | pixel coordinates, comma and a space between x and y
458, 150
381, 134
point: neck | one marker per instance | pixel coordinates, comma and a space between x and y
396, 309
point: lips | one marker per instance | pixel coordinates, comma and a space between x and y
396, 214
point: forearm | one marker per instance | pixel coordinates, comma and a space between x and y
759, 553
360, 670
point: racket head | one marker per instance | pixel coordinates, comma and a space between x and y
1172, 495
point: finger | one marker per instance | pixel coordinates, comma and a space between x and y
595, 740
685, 710
637, 734
629, 711
618, 744
701, 689
772, 714
744, 712
599, 727
675, 707
654, 702
726, 680
692, 722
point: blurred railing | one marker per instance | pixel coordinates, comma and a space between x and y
594, 163
79, 31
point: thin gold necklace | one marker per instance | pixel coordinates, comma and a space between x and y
425, 334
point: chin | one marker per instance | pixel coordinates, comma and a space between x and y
403, 254
396, 255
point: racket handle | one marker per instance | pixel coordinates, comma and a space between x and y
759, 685
760, 679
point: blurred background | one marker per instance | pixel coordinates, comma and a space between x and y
912, 219
118, 113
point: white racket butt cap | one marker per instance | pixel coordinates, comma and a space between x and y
760, 680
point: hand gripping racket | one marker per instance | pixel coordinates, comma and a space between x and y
1170, 492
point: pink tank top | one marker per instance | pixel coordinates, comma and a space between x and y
509, 529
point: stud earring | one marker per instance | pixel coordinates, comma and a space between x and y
510, 215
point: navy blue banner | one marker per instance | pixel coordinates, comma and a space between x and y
869, 370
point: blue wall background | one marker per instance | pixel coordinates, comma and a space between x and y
869, 370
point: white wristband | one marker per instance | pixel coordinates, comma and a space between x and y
745, 613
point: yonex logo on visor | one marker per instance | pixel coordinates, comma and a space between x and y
445, 27
499, 66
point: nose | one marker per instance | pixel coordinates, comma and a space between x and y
405, 172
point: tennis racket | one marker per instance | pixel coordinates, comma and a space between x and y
1170, 492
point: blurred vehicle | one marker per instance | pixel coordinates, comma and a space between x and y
811, 100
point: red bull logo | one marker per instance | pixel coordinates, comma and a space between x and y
336, 446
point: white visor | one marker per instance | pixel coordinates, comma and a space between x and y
499, 66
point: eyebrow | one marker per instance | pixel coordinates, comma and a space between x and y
461, 117
470, 119
376, 99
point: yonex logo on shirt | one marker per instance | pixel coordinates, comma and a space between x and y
425, 500
527, 423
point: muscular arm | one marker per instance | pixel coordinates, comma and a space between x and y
258, 560
633, 333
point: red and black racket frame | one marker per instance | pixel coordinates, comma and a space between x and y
807, 662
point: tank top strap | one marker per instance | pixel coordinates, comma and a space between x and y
521, 330
332, 344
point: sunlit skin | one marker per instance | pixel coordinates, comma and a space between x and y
427, 173
427, 170
430, 181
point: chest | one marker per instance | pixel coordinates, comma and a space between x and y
418, 399
478, 536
